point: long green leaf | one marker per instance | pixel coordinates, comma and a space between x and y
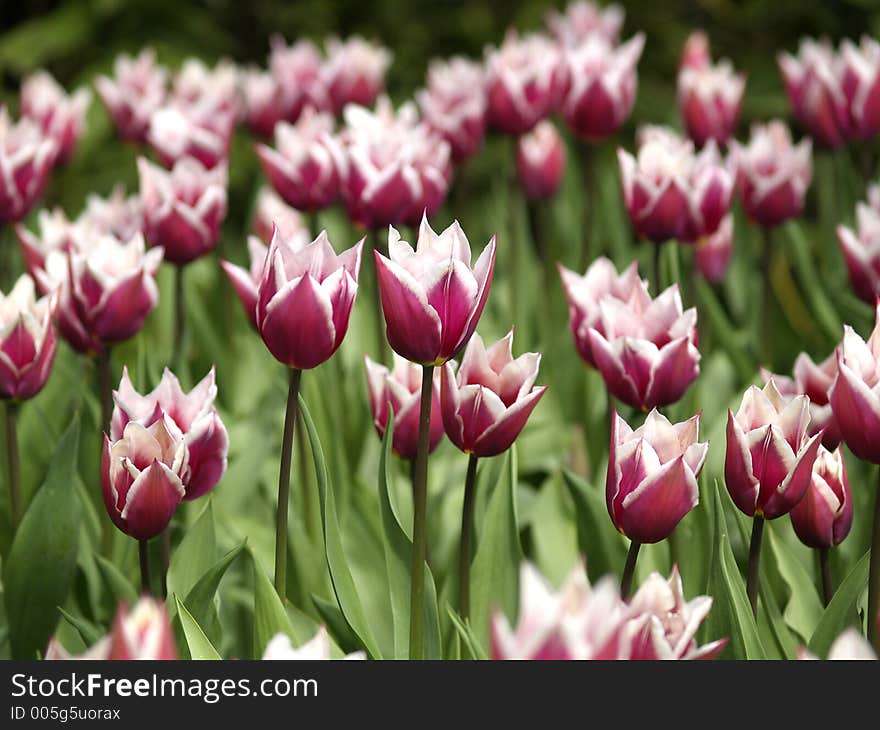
119, 586
841, 612
200, 647
200, 600
270, 617
196, 553
803, 609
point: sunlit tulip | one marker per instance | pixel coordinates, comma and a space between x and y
144, 632
26, 157
583, 19
178, 131
137, 89
354, 72
60, 116
264, 103
271, 212
316, 648
298, 70
861, 251
540, 161
770, 458
431, 295
822, 519
714, 252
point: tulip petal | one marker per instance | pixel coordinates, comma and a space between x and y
650, 512
501, 434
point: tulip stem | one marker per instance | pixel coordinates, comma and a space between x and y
874, 578
16, 500
165, 558
753, 577
105, 386
656, 272
766, 298
144, 556
587, 172
420, 508
629, 570
467, 537
179, 318
284, 484
825, 570
379, 314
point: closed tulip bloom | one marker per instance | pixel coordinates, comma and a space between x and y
861, 252
713, 252
27, 340
354, 72
709, 96
61, 116
772, 173
55, 233
823, 518
305, 299
142, 478
263, 101
189, 416
183, 208
142, 633
652, 475
26, 157
270, 211
486, 405
431, 296
770, 458
298, 69
860, 80
540, 161
202, 132
583, 19
646, 350
585, 292
523, 81
137, 89
116, 214
216, 89
399, 390
671, 193
316, 648
304, 166
600, 85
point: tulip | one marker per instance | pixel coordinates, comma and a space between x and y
584, 19
600, 85
55, 234
60, 117
709, 97
263, 101
298, 72
55, 651
523, 81
860, 80
540, 161
26, 157
202, 132
316, 648
398, 389
354, 72
304, 169
183, 208
849, 646
271, 211
117, 214
211, 89
713, 252
137, 89
861, 251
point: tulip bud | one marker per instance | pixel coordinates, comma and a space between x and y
354, 72
770, 458
117, 214
432, 297
26, 157
486, 406
27, 340
305, 299
181, 130
271, 211
263, 101
298, 71
652, 475
316, 648
540, 161
142, 478
583, 19
60, 117
861, 251
137, 89
210, 90
400, 390
860, 81
144, 632
823, 518
713, 252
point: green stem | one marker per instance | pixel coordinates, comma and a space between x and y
105, 386
825, 570
467, 536
284, 484
308, 503
589, 183
16, 501
165, 556
766, 298
144, 557
177, 356
629, 570
656, 272
874, 578
753, 578
379, 317
420, 509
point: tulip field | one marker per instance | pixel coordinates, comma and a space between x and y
541, 345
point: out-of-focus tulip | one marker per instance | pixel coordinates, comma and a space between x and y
117, 214
138, 88
824, 516
770, 458
55, 234
431, 296
713, 252
860, 80
772, 173
271, 212
144, 632
523, 81
646, 350
855, 394
177, 132
264, 104
540, 161
583, 19
400, 389
183, 208
298, 70
354, 72
316, 648
670, 192
304, 166
585, 292
189, 416
212, 90
486, 405
55, 651
60, 116
849, 646
600, 84
305, 299
142, 478
709, 97
861, 251
454, 104
652, 475
27, 340
26, 157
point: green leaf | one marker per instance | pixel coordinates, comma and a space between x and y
270, 617
117, 584
200, 648
337, 626
841, 612
196, 553
88, 632
466, 633
804, 609
200, 600
42, 562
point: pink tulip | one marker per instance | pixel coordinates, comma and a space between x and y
646, 350
138, 88
670, 192
600, 84
191, 417
200, 131
264, 103
304, 169
316, 648
772, 174
823, 518
116, 214
354, 72
270, 211
211, 90
860, 80
55, 234
183, 208
298, 70
713, 252
861, 251
305, 299
431, 296
143, 633
142, 478
709, 97
769, 455
400, 389
60, 117
540, 161
584, 293
524, 80
27, 340
584, 19
26, 157
486, 405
